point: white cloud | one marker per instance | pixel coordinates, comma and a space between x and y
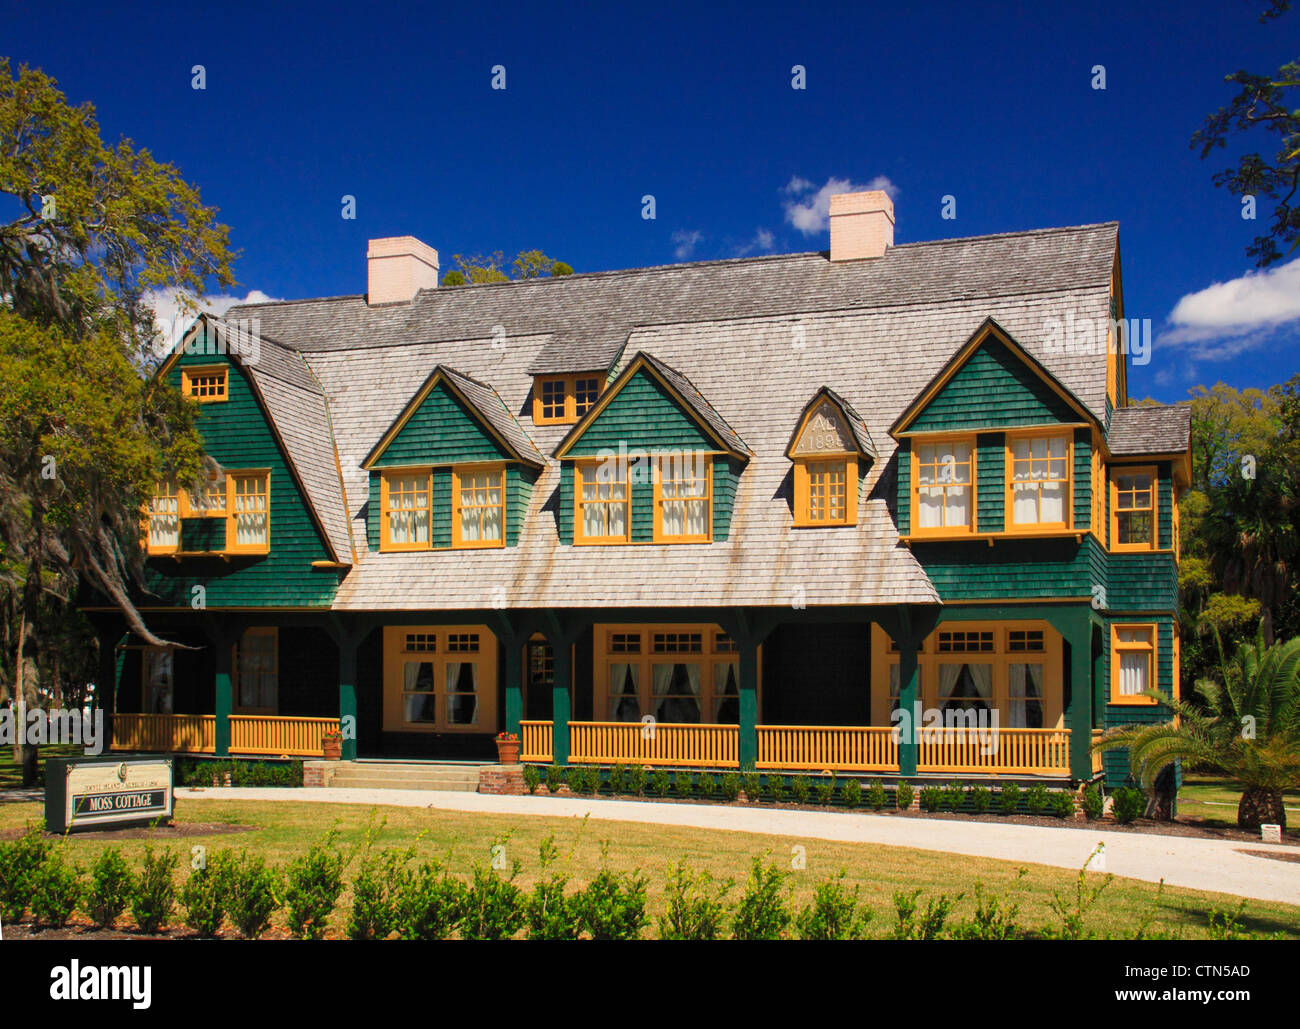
761, 243
686, 241
172, 318
809, 211
1229, 318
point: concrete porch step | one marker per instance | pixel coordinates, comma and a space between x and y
379, 776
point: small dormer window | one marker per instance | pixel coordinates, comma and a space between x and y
825, 453
206, 385
563, 399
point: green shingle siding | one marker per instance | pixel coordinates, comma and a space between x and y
990, 497
903, 466
441, 430
726, 475
1012, 569
1082, 479
644, 415
440, 498
519, 491
565, 513
373, 512
1143, 581
203, 534
1164, 506
993, 388
643, 507
237, 435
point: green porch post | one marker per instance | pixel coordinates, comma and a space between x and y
909, 693
1075, 627
747, 741
514, 682
561, 700
348, 696
224, 699
106, 686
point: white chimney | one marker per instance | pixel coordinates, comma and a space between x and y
399, 267
862, 225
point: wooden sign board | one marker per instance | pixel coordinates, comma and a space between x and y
107, 792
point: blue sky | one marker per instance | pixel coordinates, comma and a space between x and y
990, 103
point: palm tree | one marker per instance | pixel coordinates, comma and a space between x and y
1249, 730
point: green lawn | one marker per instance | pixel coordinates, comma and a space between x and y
285, 829
1214, 800
11, 773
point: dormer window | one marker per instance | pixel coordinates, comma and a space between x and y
563, 399
207, 384
826, 450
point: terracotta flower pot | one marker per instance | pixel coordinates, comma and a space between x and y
333, 747
508, 752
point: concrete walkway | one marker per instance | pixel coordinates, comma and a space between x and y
1200, 864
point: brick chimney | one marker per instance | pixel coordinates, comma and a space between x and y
399, 267
862, 225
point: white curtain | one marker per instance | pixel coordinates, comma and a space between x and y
943, 484
1133, 673
1025, 686
462, 698
164, 522
624, 700
250, 516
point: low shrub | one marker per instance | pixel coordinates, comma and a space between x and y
255, 892
550, 912
707, 785
833, 914
56, 889
206, 893
954, 796
764, 909
932, 798
993, 919
428, 903
1093, 802
800, 788
1009, 799
1073, 912
693, 905
661, 782
928, 925
824, 789
109, 891
584, 779
374, 894
877, 798
752, 784
1036, 799
980, 798
494, 907
634, 780
616, 778
241, 773
683, 784
153, 891
776, 788
903, 795
19, 862
554, 778
313, 883
851, 793
1129, 802
730, 786
1062, 804
613, 904
532, 778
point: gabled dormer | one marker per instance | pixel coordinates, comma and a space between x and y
454, 470
831, 451
652, 462
995, 445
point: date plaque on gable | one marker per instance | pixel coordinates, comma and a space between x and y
825, 432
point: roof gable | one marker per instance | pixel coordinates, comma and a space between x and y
295, 410
453, 419
991, 382
651, 404
829, 425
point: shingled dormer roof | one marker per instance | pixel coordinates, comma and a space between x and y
857, 427
1148, 429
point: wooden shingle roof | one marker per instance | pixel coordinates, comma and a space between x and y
1150, 429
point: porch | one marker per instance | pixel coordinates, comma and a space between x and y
868, 749
249, 735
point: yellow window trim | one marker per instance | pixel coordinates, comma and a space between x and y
1010, 525
569, 383
457, 541
803, 490
708, 656
929, 658
274, 633
386, 543
1117, 648
185, 510
579, 538
189, 373
232, 515
1116, 470
395, 655
659, 535
944, 531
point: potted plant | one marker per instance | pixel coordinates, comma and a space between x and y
332, 744
507, 748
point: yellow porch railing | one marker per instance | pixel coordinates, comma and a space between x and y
277, 735
694, 746
535, 741
189, 734
269, 735
841, 748
1025, 751
1096, 754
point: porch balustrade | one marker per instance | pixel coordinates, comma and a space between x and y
264, 735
